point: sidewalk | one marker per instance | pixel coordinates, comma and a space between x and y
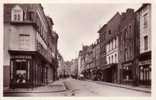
57, 86
136, 88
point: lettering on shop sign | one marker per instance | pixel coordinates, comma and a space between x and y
21, 57
20, 60
147, 62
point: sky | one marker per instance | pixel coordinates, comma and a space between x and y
77, 24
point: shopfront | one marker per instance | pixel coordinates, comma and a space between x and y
110, 73
145, 72
145, 68
127, 73
27, 70
20, 70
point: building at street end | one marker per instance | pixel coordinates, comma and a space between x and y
74, 68
30, 46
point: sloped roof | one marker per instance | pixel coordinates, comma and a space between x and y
9, 6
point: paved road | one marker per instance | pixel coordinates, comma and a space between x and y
81, 88
90, 88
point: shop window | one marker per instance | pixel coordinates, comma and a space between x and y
20, 73
17, 13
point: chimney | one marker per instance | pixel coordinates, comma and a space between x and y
129, 10
123, 15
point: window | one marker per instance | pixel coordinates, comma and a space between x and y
112, 59
145, 20
125, 53
30, 15
111, 45
24, 41
109, 32
126, 34
145, 42
17, 13
130, 28
109, 60
115, 42
115, 58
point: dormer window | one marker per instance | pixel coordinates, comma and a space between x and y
17, 13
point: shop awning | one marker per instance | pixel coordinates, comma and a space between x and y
109, 66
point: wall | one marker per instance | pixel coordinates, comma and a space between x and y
113, 51
145, 31
15, 31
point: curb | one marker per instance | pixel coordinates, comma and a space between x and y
36, 92
116, 85
50, 91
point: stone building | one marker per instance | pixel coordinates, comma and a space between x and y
145, 50
110, 30
61, 66
74, 68
95, 69
85, 56
30, 46
128, 47
102, 43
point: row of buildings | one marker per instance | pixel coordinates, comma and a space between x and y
30, 46
67, 68
64, 67
122, 53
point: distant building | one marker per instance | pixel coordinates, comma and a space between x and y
74, 68
61, 66
30, 46
67, 71
79, 63
144, 29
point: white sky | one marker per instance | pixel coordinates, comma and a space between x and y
77, 24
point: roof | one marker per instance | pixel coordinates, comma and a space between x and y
9, 6
143, 6
101, 29
104, 26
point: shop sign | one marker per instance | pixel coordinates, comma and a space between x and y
128, 64
20, 60
146, 62
21, 57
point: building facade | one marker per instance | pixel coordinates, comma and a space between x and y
144, 30
29, 49
74, 68
128, 47
110, 49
